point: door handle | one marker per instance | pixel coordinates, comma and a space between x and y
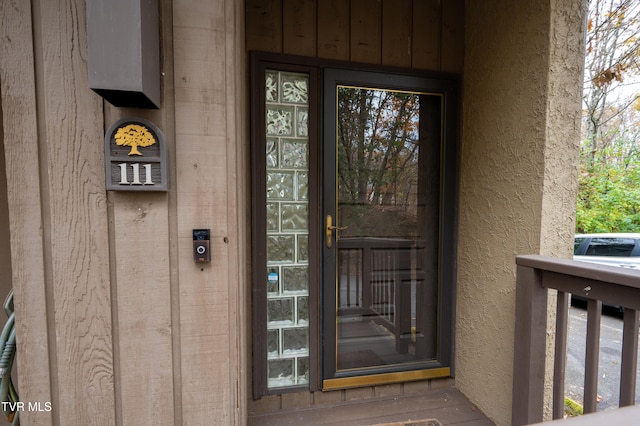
329, 230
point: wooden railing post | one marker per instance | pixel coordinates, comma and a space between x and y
629, 357
529, 347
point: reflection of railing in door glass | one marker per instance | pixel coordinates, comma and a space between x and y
380, 285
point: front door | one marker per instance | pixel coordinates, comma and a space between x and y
384, 304
354, 183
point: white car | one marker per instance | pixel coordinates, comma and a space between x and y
621, 250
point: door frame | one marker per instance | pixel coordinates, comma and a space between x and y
259, 63
447, 84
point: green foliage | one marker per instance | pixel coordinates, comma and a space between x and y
609, 190
572, 408
609, 181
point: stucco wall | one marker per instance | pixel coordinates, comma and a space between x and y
566, 63
518, 175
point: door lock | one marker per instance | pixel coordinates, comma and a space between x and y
329, 230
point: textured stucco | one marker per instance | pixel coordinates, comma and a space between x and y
564, 87
518, 174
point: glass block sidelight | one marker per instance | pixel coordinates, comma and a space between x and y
287, 228
295, 217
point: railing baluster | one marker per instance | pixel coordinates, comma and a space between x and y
629, 357
594, 316
560, 359
387, 285
341, 282
367, 267
349, 273
360, 278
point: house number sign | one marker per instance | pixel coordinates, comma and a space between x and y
135, 156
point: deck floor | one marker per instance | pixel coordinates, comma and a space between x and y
449, 406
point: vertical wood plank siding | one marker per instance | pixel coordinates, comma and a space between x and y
188, 368
396, 33
452, 42
366, 30
333, 29
264, 25
299, 35
142, 307
20, 131
116, 323
420, 34
425, 38
144, 282
62, 276
208, 90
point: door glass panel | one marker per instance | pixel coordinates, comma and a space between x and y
287, 228
388, 198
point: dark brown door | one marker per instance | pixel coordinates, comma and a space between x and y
383, 188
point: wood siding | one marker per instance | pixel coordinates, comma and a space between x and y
57, 204
420, 34
116, 324
20, 123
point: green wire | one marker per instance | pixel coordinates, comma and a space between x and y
7, 355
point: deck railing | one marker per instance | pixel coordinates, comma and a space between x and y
372, 274
597, 284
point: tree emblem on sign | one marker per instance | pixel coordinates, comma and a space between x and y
134, 135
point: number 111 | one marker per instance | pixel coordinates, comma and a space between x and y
136, 174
